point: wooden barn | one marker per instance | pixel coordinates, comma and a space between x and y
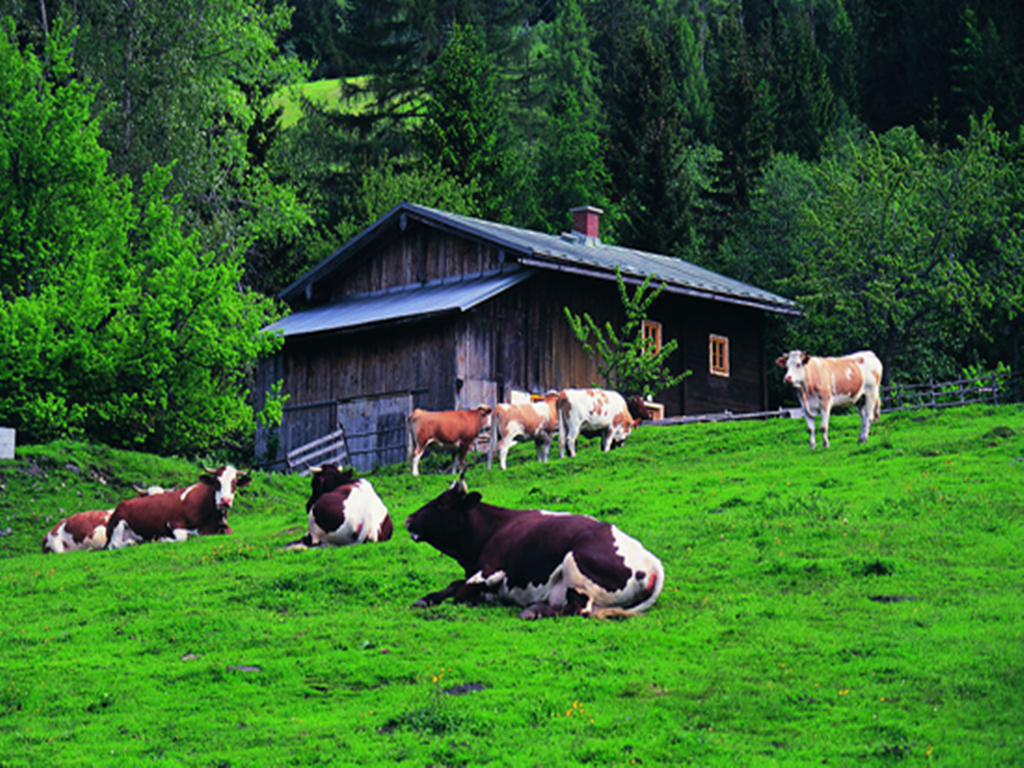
433, 310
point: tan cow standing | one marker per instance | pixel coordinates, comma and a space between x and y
825, 382
511, 422
453, 430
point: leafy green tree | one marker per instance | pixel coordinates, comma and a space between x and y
186, 85
571, 165
917, 252
134, 335
661, 176
464, 127
805, 111
744, 120
627, 361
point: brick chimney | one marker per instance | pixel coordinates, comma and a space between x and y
585, 221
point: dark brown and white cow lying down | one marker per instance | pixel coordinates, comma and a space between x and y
452, 430
85, 531
552, 563
175, 515
343, 511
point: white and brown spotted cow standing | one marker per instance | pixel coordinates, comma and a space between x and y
825, 382
513, 422
593, 412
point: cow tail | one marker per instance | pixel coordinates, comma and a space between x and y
561, 427
658, 573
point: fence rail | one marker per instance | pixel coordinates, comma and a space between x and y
990, 388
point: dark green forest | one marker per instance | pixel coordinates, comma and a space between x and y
863, 157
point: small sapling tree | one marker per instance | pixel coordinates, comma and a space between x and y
629, 363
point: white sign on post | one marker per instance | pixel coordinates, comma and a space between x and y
6, 443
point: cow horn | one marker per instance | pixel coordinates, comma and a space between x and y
209, 470
315, 470
140, 488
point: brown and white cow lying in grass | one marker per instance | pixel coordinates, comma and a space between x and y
86, 531
551, 563
453, 430
343, 510
198, 510
513, 422
822, 383
79, 532
593, 412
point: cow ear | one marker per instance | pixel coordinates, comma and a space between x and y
471, 500
243, 479
804, 359
781, 360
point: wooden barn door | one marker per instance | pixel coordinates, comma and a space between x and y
375, 429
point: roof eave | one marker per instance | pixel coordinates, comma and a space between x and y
540, 263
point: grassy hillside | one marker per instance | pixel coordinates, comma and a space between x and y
860, 604
330, 94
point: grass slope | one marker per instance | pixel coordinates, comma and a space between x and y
860, 604
332, 95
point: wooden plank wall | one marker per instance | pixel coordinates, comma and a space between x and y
421, 254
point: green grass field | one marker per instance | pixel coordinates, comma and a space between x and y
856, 605
330, 94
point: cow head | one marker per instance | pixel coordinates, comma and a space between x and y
226, 480
442, 523
794, 363
327, 477
638, 410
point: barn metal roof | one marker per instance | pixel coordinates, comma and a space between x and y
568, 252
406, 303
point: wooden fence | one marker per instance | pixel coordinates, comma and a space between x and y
992, 389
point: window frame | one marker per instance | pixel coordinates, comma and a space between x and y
716, 341
652, 329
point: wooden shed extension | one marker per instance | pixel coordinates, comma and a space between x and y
431, 309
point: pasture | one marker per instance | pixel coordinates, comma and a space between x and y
858, 605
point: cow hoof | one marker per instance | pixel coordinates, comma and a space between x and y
529, 614
421, 603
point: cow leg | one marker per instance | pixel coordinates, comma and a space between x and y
543, 449
826, 411
416, 454
434, 598
574, 604
606, 440
864, 409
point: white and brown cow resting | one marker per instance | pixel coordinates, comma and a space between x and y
515, 422
82, 531
343, 510
199, 510
551, 563
823, 383
452, 430
85, 531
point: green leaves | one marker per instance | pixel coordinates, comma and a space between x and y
629, 362
116, 325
